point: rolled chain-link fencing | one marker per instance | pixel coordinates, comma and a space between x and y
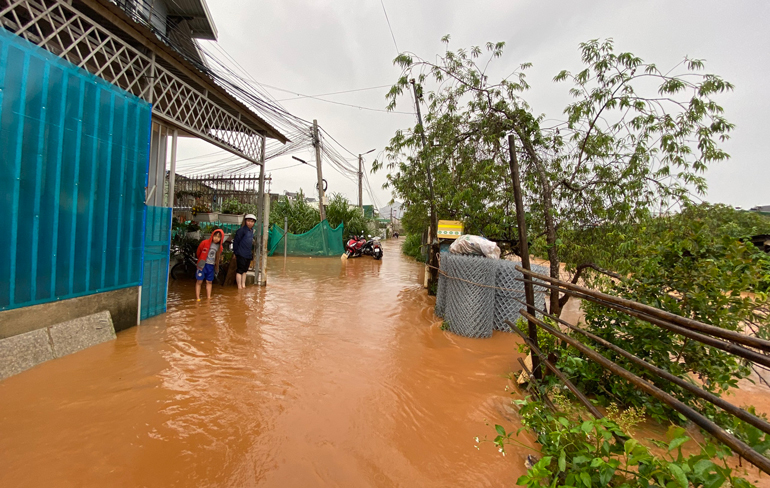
441, 290
506, 306
469, 308
472, 310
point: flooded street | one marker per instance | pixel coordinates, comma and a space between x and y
332, 375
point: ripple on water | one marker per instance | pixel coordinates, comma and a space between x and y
333, 374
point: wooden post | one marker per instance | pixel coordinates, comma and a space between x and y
317, 144
529, 291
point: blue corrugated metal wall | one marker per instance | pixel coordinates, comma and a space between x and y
74, 151
156, 255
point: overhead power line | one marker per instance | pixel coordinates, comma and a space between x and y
299, 97
314, 97
398, 51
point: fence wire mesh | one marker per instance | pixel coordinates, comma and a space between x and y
469, 308
441, 290
472, 310
506, 306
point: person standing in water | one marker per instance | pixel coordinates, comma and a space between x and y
242, 248
209, 253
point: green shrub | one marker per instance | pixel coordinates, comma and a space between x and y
301, 216
597, 452
339, 212
413, 247
231, 206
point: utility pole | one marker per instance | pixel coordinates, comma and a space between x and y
317, 144
432, 236
257, 245
360, 183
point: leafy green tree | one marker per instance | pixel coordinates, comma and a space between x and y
301, 216
617, 246
697, 264
339, 211
635, 139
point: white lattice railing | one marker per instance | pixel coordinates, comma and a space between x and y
60, 28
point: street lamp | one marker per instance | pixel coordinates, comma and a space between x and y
303, 161
360, 180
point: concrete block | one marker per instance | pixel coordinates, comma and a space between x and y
251, 278
23, 351
80, 333
123, 305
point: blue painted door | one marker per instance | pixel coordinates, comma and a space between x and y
157, 243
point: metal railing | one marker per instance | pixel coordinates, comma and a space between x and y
214, 190
747, 347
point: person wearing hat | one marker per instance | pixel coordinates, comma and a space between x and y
242, 247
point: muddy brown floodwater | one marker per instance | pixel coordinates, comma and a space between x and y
332, 375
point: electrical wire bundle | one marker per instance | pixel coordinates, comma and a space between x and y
242, 86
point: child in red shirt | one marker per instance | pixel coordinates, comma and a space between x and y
209, 253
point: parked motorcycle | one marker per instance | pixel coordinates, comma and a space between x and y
373, 248
359, 246
354, 246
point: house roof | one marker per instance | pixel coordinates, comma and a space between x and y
198, 17
189, 73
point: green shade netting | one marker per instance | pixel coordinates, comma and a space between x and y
321, 240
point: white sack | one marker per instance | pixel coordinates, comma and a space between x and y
478, 245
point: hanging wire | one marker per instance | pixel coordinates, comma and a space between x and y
254, 95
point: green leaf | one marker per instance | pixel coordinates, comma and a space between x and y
740, 483
499, 429
702, 465
586, 479
678, 474
629, 445
579, 459
562, 461
677, 442
587, 426
606, 475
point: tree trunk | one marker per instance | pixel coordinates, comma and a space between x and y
550, 225
553, 253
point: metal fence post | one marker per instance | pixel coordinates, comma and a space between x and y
263, 258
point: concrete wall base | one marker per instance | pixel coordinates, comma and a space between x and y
23, 351
122, 304
252, 280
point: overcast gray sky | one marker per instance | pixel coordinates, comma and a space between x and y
322, 46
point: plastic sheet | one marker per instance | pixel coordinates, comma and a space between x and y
74, 152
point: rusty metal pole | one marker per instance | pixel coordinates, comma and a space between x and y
704, 423
529, 291
631, 308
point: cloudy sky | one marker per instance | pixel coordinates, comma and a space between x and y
318, 47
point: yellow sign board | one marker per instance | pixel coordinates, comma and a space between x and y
449, 229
